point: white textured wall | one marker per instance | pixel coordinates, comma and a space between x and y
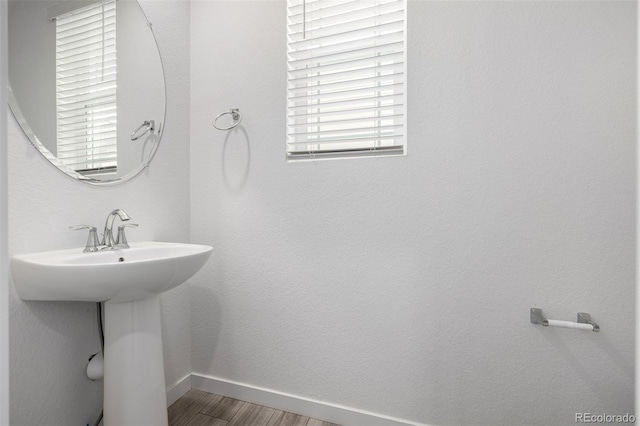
403, 285
50, 342
4, 272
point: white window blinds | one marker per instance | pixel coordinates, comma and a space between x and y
86, 87
346, 78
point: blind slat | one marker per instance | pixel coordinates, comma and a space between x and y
310, 115
101, 22
77, 121
358, 81
353, 118
105, 138
82, 131
342, 92
328, 140
87, 79
70, 91
82, 65
330, 8
85, 51
365, 52
97, 115
371, 63
325, 18
97, 44
83, 75
303, 40
82, 35
82, 153
74, 109
349, 74
358, 132
348, 103
354, 43
296, 7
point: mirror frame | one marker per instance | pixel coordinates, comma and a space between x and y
35, 142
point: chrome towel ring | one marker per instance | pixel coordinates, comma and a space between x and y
235, 114
148, 125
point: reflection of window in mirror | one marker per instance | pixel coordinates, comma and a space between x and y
86, 87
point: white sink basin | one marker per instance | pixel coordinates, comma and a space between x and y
123, 275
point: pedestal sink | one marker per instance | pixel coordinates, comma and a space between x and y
129, 281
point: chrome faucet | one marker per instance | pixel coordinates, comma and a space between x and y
108, 242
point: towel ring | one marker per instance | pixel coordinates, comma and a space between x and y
235, 114
148, 125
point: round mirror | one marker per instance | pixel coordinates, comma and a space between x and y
86, 84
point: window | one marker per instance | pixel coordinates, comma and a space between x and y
86, 87
346, 86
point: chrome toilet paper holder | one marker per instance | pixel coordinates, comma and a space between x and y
583, 318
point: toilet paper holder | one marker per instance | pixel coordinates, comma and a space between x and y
584, 321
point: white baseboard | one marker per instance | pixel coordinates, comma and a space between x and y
311, 408
178, 389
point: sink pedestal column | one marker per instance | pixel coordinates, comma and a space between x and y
134, 386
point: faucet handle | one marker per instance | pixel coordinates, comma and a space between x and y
92, 240
121, 239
